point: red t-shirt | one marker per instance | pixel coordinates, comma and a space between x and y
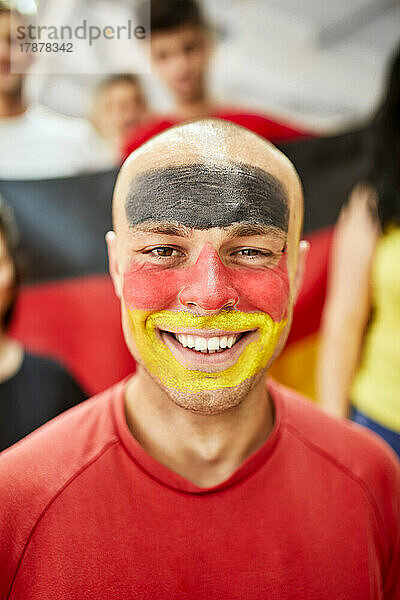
85, 513
271, 130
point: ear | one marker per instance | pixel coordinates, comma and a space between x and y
304, 248
113, 264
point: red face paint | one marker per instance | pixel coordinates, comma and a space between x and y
209, 285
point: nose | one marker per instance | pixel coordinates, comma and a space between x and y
208, 286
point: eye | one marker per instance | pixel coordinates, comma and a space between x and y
250, 252
163, 252
255, 257
190, 47
162, 56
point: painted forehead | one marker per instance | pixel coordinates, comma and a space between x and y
202, 196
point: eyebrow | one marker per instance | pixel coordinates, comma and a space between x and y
232, 231
163, 228
250, 229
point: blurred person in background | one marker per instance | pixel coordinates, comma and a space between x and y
119, 106
181, 51
359, 370
35, 142
33, 389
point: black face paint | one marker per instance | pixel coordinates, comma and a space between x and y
202, 196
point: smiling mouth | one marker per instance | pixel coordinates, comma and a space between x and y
216, 344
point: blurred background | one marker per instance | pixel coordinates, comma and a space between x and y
319, 64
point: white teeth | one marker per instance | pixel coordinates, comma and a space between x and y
200, 344
223, 341
231, 341
205, 345
213, 344
183, 340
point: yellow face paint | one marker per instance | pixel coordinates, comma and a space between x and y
160, 361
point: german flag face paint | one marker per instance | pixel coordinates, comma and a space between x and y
202, 196
194, 352
166, 351
211, 322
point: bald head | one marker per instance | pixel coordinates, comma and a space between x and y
212, 155
209, 173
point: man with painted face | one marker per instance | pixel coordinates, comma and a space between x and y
196, 478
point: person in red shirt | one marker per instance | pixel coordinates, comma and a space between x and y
181, 49
197, 477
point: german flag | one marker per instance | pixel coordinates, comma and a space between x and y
67, 307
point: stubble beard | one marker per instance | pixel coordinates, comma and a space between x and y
213, 402
210, 402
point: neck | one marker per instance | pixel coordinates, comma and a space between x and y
196, 107
12, 105
204, 449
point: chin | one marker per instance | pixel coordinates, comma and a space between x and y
212, 402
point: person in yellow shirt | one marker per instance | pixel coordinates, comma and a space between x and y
359, 366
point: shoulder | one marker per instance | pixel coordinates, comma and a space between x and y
353, 450
39, 362
54, 123
48, 371
73, 437
358, 228
36, 468
353, 464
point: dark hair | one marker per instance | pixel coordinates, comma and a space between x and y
9, 231
5, 7
118, 78
172, 14
384, 173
